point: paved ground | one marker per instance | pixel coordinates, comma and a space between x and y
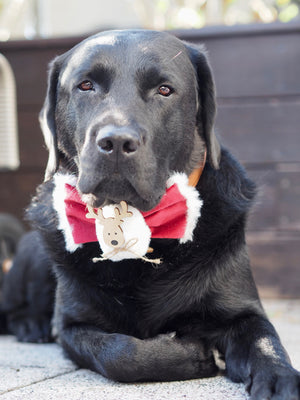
41, 372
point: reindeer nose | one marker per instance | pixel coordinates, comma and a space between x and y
113, 140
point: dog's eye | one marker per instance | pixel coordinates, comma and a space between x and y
165, 90
85, 86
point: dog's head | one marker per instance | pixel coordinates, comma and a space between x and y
125, 109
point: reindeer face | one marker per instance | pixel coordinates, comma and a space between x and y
113, 234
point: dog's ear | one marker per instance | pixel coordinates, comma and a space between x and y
47, 119
207, 103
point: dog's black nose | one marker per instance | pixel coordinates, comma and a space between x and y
118, 140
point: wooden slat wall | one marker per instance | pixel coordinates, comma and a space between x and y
256, 70
257, 77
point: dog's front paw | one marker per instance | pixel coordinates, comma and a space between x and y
280, 383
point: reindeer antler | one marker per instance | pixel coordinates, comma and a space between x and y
125, 213
119, 215
91, 213
95, 215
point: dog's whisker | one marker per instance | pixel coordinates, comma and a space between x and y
178, 54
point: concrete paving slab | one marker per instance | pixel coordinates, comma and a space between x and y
85, 385
41, 371
22, 364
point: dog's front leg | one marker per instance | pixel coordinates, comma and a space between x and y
128, 359
254, 354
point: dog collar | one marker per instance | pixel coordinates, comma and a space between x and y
123, 231
195, 176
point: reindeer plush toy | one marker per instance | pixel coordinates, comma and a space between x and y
111, 235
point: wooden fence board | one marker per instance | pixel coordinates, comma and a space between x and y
17, 189
261, 132
257, 60
278, 201
275, 265
31, 142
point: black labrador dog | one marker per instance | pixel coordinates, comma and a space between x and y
125, 110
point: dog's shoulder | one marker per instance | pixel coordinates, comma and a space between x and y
227, 193
43, 218
40, 212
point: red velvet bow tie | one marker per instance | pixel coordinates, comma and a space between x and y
167, 220
175, 217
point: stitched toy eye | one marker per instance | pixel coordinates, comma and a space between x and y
165, 90
85, 86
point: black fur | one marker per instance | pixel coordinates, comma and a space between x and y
28, 291
128, 320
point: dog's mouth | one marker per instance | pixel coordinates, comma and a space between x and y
141, 183
113, 191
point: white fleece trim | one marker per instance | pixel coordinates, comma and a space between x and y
193, 202
59, 195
